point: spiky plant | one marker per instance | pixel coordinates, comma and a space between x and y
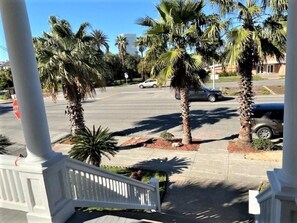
90, 145
4, 141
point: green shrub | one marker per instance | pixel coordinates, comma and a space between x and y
228, 74
262, 144
166, 135
89, 146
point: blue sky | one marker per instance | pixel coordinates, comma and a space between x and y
113, 17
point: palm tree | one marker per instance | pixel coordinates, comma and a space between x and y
72, 59
121, 43
249, 42
278, 6
170, 40
91, 145
101, 40
140, 43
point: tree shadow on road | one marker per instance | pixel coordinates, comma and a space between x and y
198, 118
5, 109
170, 166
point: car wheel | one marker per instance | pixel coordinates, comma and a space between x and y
264, 132
212, 98
154, 86
140, 86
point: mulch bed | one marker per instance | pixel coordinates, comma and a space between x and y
235, 147
159, 143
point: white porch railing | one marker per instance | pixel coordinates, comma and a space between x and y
21, 187
265, 200
91, 186
12, 194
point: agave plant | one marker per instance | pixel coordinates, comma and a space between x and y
4, 141
90, 145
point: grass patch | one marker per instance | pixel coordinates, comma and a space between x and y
235, 79
4, 97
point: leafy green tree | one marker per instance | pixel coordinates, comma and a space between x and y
91, 145
170, 40
114, 68
131, 63
5, 79
72, 59
251, 41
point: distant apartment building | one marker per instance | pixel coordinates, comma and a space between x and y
270, 67
131, 48
4, 65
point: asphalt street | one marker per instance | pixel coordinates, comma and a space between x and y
133, 111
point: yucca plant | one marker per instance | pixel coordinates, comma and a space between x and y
90, 145
4, 141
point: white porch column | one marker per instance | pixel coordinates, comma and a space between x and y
43, 175
26, 79
289, 168
278, 203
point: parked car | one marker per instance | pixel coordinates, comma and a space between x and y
202, 93
267, 120
148, 83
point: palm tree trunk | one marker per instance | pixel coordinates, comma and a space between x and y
75, 112
185, 112
246, 101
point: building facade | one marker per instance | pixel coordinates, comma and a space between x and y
131, 48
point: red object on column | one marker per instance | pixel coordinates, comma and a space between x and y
16, 109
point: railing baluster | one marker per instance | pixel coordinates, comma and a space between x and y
97, 185
19, 187
6, 185
12, 186
2, 189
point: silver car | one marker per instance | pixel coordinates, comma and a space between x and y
267, 120
148, 83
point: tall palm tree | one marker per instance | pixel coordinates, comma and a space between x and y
170, 39
254, 37
121, 43
101, 40
72, 59
140, 43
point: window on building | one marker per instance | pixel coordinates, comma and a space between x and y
270, 68
260, 69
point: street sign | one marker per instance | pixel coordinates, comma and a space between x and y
126, 75
214, 77
16, 109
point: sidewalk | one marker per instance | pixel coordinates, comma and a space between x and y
209, 185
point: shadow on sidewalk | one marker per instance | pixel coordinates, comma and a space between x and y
198, 118
233, 136
209, 202
170, 166
191, 202
5, 109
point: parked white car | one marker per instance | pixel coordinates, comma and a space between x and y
148, 83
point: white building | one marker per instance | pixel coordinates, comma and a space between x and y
131, 48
